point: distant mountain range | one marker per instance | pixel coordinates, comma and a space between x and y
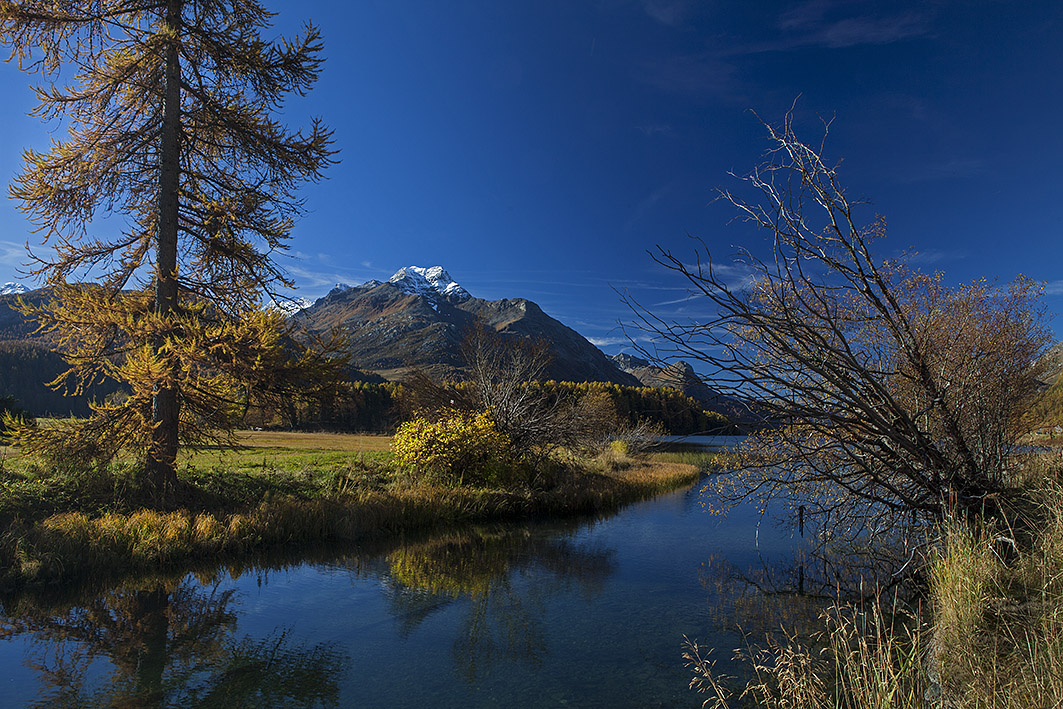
680, 375
414, 320
418, 317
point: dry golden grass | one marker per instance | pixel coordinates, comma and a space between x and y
998, 616
352, 506
993, 637
861, 660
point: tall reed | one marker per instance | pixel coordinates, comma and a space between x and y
989, 636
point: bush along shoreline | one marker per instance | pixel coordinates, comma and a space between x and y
984, 630
61, 527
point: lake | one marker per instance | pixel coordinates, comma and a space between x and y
587, 613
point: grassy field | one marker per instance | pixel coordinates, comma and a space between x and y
291, 452
297, 440
282, 490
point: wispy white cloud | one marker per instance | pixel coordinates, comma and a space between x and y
929, 257
836, 24
734, 277
669, 12
312, 281
1054, 288
832, 24
12, 253
642, 285
613, 341
685, 299
608, 341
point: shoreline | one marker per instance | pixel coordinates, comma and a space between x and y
75, 547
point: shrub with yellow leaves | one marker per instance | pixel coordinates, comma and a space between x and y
457, 447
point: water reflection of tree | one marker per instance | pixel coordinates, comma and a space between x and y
171, 642
506, 577
792, 592
760, 599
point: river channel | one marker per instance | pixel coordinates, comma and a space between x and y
585, 613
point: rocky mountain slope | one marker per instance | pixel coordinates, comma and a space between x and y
1051, 364
414, 320
680, 375
417, 318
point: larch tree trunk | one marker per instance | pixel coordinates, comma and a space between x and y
162, 457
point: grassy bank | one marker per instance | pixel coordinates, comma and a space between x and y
987, 634
281, 492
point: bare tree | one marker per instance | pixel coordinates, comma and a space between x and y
501, 371
504, 377
891, 394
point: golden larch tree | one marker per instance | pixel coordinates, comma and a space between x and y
170, 123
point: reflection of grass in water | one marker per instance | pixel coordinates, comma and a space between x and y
459, 565
470, 564
505, 574
692, 455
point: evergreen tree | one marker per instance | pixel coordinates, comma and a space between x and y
170, 126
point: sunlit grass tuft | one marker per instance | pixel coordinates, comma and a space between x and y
862, 659
990, 636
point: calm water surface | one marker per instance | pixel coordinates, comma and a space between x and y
577, 614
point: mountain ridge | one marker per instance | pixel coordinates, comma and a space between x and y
680, 375
416, 320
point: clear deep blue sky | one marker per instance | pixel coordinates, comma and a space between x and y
539, 148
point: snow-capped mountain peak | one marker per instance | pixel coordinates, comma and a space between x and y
13, 289
431, 281
293, 306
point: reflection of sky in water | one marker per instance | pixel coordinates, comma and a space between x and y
589, 614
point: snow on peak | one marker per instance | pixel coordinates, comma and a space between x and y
293, 306
430, 281
13, 289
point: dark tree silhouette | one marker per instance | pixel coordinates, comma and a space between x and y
890, 394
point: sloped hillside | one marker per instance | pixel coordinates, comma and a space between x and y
417, 320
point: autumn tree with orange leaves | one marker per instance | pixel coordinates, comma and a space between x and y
169, 106
885, 394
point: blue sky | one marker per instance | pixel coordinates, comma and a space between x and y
538, 149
